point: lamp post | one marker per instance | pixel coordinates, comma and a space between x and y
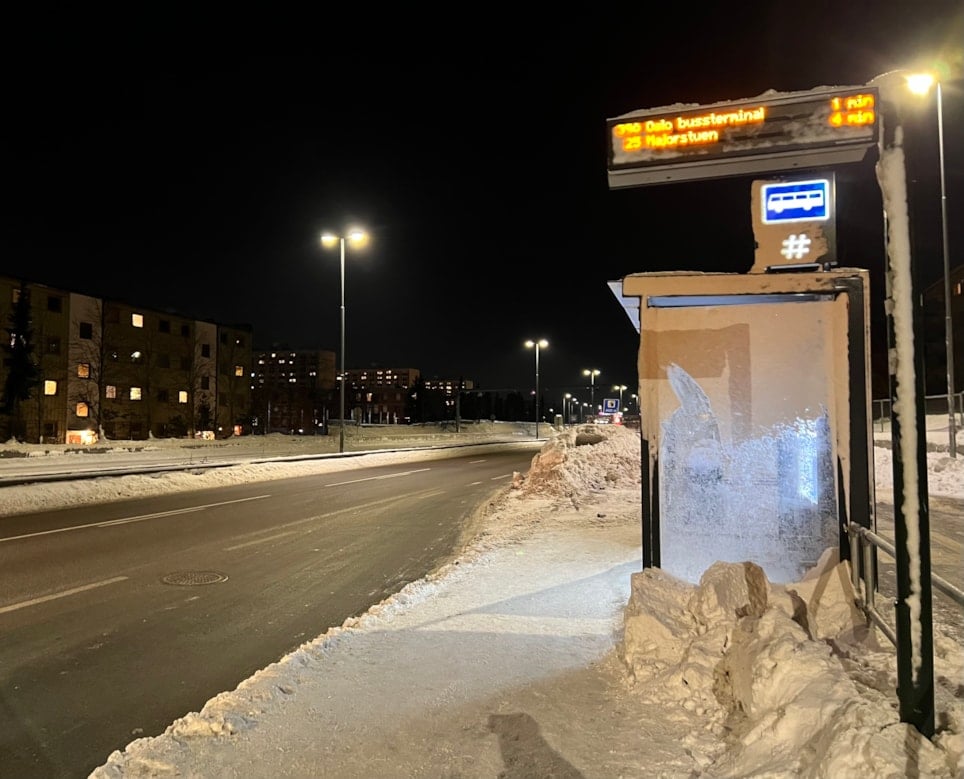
619, 388
920, 84
542, 343
356, 237
592, 373
565, 408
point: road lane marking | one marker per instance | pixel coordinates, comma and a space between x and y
125, 520
349, 510
376, 478
259, 541
64, 594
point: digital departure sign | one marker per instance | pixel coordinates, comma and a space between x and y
791, 130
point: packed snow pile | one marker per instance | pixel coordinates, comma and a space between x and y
582, 461
763, 678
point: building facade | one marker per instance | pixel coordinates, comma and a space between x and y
291, 390
379, 395
934, 334
113, 369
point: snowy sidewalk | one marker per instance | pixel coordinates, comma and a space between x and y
494, 666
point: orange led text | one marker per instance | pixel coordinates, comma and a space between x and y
852, 110
679, 131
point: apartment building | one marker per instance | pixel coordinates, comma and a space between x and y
934, 333
292, 390
114, 369
380, 395
297, 390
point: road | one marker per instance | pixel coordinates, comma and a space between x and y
119, 618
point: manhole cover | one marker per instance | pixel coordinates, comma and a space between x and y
189, 578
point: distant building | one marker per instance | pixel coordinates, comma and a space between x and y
934, 335
379, 395
297, 390
291, 390
113, 368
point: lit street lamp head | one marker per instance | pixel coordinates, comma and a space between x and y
355, 237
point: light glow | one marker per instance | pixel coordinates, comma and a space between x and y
920, 83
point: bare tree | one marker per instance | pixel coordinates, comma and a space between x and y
89, 362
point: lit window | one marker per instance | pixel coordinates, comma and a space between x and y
110, 391
135, 393
82, 410
83, 371
50, 387
137, 320
239, 370
182, 396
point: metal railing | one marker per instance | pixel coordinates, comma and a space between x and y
934, 406
862, 545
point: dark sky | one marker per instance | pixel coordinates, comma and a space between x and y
195, 172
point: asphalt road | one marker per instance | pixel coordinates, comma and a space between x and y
119, 618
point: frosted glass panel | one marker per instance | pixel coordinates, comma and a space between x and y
755, 438
768, 495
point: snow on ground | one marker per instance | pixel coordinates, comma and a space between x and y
544, 650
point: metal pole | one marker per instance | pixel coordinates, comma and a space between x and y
341, 429
537, 389
948, 323
913, 607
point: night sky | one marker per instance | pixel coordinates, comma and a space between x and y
195, 173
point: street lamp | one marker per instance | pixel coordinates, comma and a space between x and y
592, 373
619, 388
542, 343
359, 238
565, 408
920, 84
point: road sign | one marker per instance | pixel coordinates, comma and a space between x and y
610, 405
794, 220
796, 201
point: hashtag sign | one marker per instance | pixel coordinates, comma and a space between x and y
795, 247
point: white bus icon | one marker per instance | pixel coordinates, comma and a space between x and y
807, 200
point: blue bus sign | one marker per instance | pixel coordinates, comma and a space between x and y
796, 201
610, 405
